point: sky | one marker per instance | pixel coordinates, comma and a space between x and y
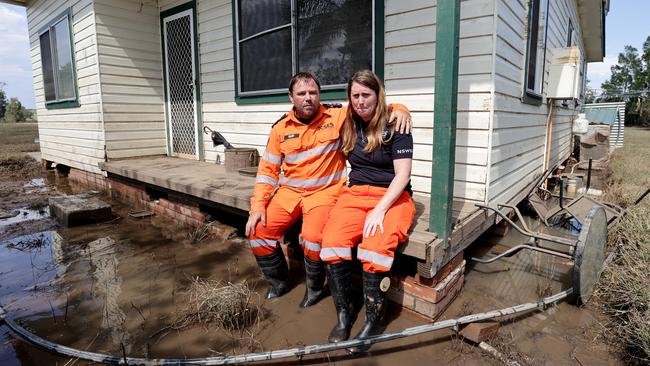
626, 24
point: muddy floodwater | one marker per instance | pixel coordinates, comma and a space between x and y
118, 288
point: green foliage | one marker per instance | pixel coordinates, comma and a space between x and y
3, 100
630, 82
15, 112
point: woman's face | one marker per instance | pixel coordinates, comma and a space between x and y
363, 100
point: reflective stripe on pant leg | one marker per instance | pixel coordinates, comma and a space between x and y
263, 246
343, 229
373, 261
278, 220
335, 254
377, 252
311, 234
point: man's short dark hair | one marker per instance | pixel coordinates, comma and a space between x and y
303, 75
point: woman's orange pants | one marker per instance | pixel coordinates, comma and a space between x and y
344, 229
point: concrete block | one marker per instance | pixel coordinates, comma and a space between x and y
80, 209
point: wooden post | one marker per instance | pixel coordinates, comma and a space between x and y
444, 125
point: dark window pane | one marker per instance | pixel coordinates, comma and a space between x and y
533, 27
334, 38
46, 63
63, 70
259, 15
266, 61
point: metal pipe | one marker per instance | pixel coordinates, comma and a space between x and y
550, 238
517, 248
561, 194
293, 352
588, 176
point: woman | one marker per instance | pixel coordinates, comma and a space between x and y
375, 210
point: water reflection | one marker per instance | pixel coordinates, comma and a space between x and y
107, 288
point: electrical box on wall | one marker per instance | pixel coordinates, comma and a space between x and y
564, 76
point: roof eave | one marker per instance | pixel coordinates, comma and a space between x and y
592, 24
15, 2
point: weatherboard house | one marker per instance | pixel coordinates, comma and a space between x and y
493, 87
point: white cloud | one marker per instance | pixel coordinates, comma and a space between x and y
598, 72
15, 59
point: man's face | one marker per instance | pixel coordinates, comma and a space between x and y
305, 98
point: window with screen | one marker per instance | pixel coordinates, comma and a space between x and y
57, 62
277, 38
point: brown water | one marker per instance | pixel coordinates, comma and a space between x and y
119, 285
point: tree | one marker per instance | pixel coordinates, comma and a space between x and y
3, 100
590, 96
629, 82
15, 112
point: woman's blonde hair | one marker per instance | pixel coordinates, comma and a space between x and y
377, 123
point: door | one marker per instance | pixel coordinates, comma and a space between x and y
180, 79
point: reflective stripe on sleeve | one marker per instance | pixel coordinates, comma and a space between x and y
310, 183
292, 158
272, 158
376, 258
266, 179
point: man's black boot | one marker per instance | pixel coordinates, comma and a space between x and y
314, 282
375, 301
339, 278
275, 271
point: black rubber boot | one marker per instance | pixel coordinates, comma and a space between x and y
375, 301
314, 281
276, 273
339, 278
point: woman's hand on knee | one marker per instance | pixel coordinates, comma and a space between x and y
374, 221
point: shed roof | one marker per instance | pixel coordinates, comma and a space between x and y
605, 113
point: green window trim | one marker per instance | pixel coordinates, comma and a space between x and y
328, 93
63, 103
530, 95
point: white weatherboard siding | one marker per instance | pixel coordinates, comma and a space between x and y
70, 136
410, 77
241, 125
130, 67
519, 131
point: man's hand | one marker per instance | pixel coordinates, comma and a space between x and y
253, 218
402, 121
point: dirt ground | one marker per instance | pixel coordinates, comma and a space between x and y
119, 286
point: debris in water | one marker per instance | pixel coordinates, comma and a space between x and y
229, 306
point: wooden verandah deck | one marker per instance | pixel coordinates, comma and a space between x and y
213, 183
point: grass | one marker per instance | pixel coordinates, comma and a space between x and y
624, 290
15, 140
18, 138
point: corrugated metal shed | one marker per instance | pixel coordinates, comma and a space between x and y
612, 114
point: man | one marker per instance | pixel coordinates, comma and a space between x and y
305, 145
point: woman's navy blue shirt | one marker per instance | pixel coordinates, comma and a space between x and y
376, 168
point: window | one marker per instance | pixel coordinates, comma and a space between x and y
535, 51
57, 62
277, 38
